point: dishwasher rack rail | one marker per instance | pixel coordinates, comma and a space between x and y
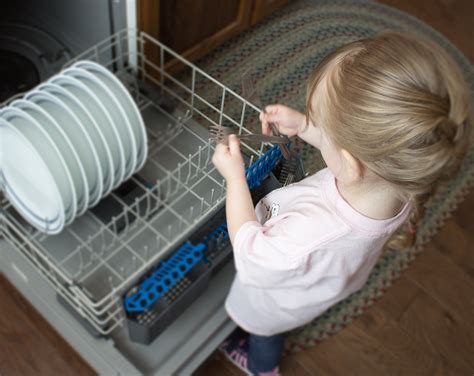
96, 259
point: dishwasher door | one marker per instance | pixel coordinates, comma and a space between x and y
179, 350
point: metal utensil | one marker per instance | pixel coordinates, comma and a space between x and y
249, 91
221, 135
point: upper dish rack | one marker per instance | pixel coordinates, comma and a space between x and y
96, 259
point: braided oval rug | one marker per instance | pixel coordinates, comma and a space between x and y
281, 52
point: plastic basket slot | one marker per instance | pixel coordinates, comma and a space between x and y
262, 167
165, 277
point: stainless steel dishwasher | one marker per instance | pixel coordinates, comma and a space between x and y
79, 279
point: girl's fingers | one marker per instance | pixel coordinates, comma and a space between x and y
263, 120
221, 148
271, 117
272, 108
265, 129
234, 145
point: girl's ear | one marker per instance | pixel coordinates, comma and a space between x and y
352, 166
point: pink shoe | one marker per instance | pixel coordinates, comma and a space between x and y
236, 350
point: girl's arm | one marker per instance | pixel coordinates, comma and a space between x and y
239, 206
291, 123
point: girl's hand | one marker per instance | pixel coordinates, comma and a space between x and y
287, 120
228, 160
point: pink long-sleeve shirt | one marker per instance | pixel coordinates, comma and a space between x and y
308, 250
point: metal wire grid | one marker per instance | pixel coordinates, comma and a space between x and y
90, 264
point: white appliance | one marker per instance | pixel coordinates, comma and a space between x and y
77, 279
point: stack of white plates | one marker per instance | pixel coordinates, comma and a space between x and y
68, 143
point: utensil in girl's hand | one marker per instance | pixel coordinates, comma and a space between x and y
249, 91
221, 135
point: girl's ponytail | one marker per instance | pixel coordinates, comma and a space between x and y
400, 105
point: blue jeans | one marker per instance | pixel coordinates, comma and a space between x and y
264, 352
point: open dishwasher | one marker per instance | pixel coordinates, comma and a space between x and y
137, 284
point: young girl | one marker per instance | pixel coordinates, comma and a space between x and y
390, 117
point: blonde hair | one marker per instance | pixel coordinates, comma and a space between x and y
399, 105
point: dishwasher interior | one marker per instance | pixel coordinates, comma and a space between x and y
130, 266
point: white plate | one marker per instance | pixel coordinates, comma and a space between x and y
74, 169
90, 134
100, 115
127, 103
73, 130
116, 113
32, 189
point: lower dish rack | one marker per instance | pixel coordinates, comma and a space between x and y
121, 263
178, 281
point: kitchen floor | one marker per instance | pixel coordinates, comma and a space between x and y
423, 325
